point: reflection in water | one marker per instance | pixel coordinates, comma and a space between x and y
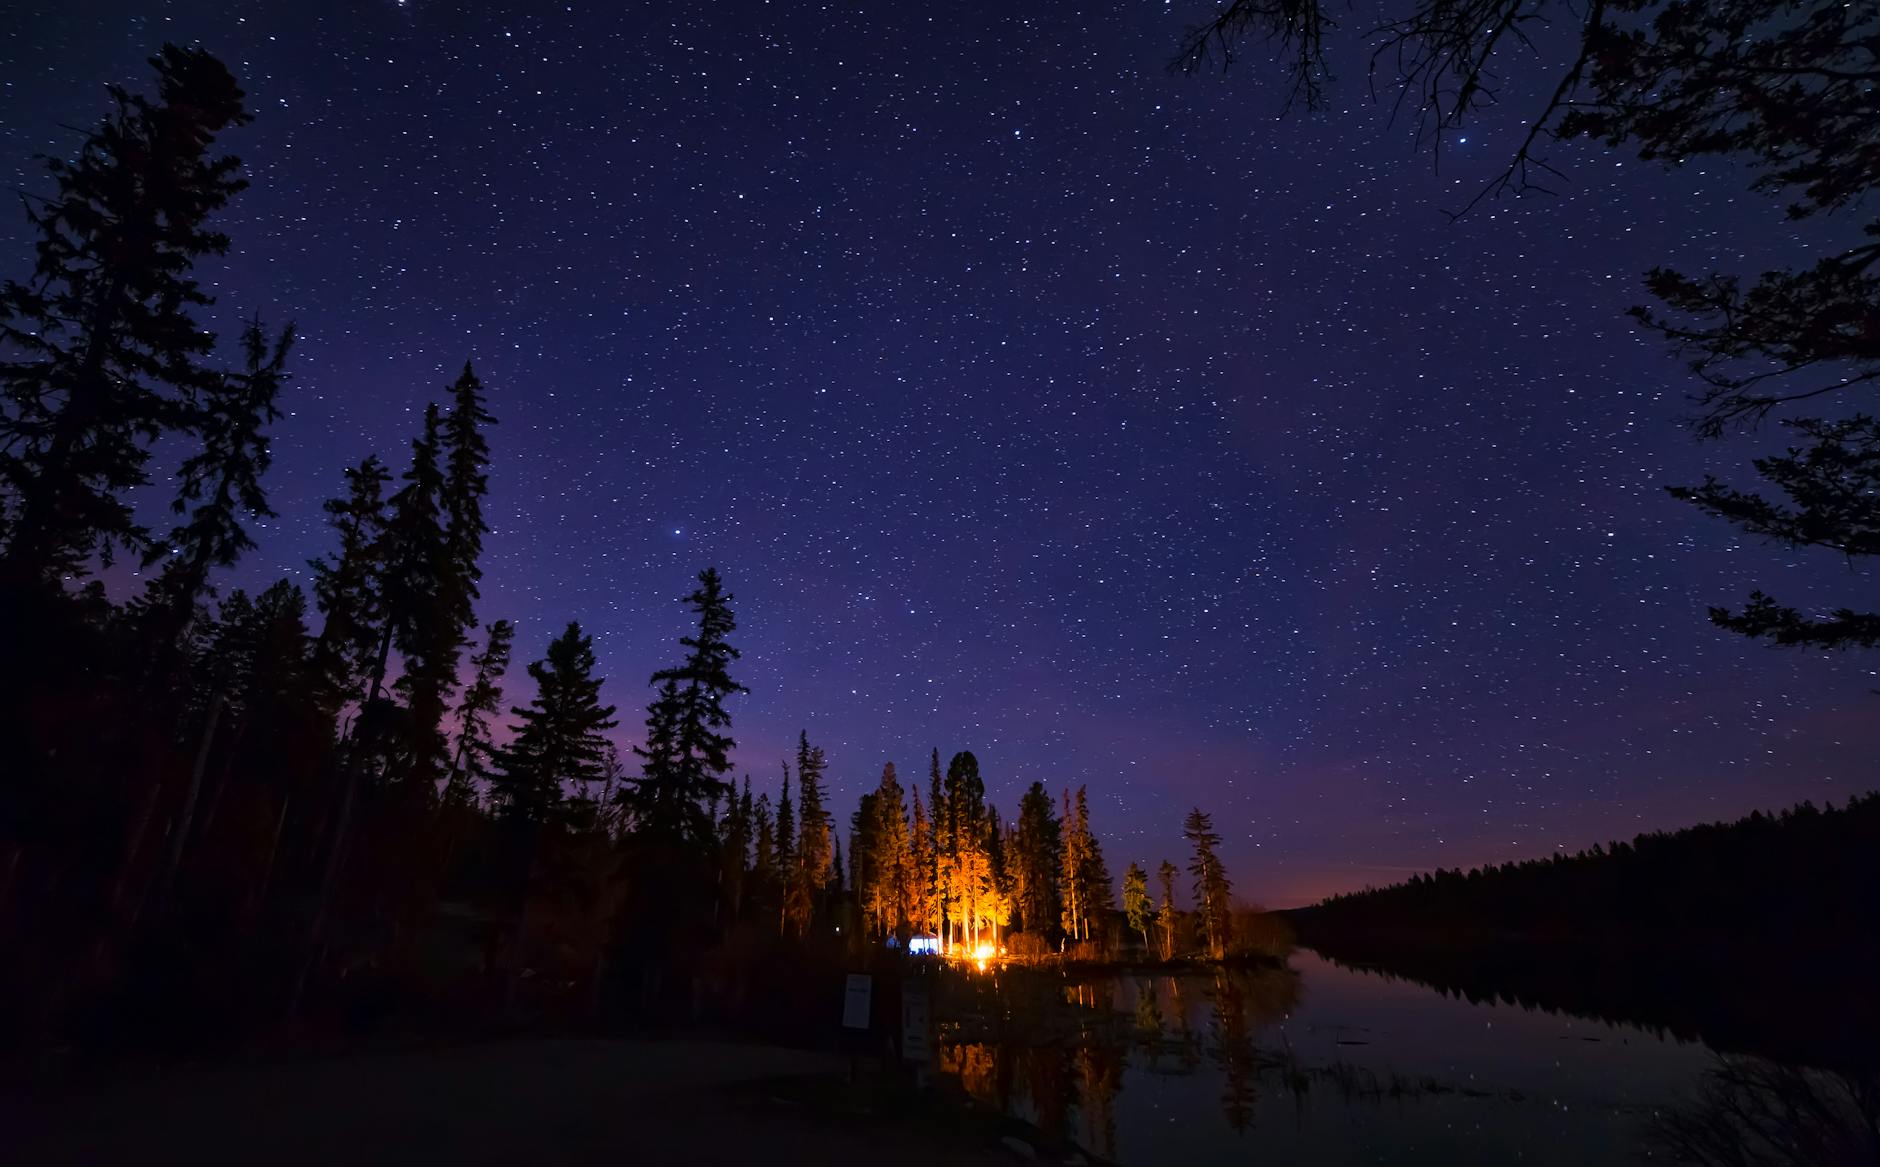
1148, 1018
1796, 1006
1755, 1113
1340, 1065
1100, 1072
1058, 1058
1233, 1051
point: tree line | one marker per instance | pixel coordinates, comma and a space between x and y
1787, 902
1806, 872
953, 870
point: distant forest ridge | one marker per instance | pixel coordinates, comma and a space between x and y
1805, 871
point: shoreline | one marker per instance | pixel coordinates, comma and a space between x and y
534, 1099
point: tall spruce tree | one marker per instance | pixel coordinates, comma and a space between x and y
1038, 863
815, 841
786, 828
923, 913
347, 587
1099, 889
763, 845
940, 848
109, 358
1211, 886
792, 916
863, 875
421, 614
482, 697
1136, 903
1076, 867
964, 869
966, 800
687, 752
561, 735
220, 481
738, 834
884, 898
466, 454
1166, 914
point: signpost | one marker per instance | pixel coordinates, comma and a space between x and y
914, 1023
856, 1000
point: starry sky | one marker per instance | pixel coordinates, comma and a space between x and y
1032, 401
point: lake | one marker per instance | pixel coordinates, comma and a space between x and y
1322, 1063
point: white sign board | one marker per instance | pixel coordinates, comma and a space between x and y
914, 1022
855, 1002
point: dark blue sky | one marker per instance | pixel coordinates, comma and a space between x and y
1032, 401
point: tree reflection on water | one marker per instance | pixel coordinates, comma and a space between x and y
1054, 1050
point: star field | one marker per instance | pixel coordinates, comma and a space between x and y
1031, 400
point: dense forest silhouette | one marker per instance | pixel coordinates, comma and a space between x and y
1785, 907
227, 810
1805, 872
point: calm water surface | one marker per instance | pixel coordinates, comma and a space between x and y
1320, 1063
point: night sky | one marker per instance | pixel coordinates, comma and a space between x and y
1031, 400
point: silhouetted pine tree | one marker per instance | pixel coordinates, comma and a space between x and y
862, 872
966, 800
764, 846
737, 837
482, 697
109, 357
1136, 903
923, 910
561, 735
466, 482
347, 587
1037, 863
786, 827
219, 483
792, 905
814, 841
686, 750
1166, 914
1099, 888
941, 849
1211, 887
964, 864
883, 888
422, 606
1076, 869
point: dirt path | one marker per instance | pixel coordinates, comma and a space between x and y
545, 1102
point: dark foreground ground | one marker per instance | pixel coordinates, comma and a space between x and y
538, 1102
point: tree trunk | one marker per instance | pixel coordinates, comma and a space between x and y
328, 878
134, 845
223, 777
258, 895
166, 882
